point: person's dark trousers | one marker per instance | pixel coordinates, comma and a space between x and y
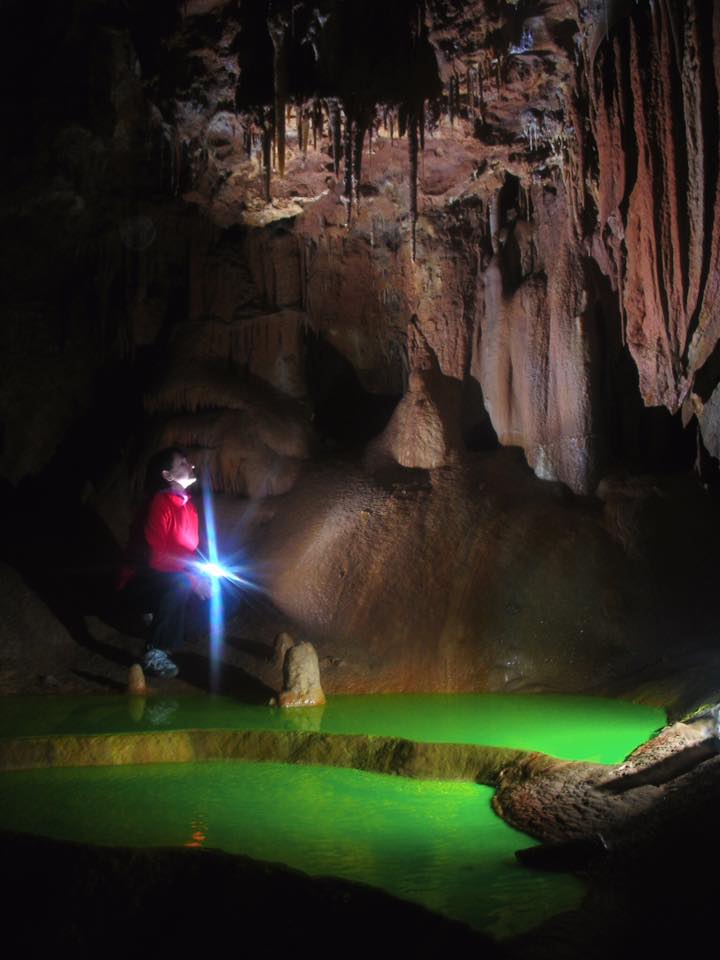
167, 597
176, 609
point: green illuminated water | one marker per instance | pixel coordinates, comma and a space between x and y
569, 727
438, 844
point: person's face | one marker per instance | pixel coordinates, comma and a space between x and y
182, 471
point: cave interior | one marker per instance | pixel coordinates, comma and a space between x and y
430, 292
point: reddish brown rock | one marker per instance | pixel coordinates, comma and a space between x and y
464, 578
657, 148
535, 346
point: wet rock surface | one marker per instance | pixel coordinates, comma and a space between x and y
647, 852
90, 890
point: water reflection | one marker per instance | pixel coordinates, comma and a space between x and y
198, 831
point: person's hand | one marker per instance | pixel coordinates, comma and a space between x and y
202, 586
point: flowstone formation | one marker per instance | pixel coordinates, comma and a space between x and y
346, 250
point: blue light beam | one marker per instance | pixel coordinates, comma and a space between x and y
216, 605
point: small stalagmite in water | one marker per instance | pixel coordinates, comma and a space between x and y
136, 681
301, 678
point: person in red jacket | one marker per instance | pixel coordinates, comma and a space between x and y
163, 577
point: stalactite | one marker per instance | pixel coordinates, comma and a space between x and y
413, 151
494, 220
348, 153
481, 92
358, 135
362, 122
277, 27
299, 126
317, 122
421, 125
305, 131
525, 195
402, 121
267, 142
334, 121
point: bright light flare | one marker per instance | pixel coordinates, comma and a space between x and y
220, 572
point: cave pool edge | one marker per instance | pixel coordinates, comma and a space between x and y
436, 842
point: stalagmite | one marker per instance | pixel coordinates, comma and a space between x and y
136, 681
301, 677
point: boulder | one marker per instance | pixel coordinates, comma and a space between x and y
35, 645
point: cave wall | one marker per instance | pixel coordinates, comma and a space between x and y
536, 190
278, 234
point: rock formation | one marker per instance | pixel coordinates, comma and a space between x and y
301, 677
342, 251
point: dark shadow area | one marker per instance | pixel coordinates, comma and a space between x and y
195, 669
113, 685
643, 439
396, 479
335, 49
346, 415
478, 431
261, 651
175, 901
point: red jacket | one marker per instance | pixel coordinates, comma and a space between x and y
171, 531
167, 540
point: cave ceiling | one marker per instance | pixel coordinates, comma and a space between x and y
528, 185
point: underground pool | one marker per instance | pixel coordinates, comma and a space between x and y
434, 842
